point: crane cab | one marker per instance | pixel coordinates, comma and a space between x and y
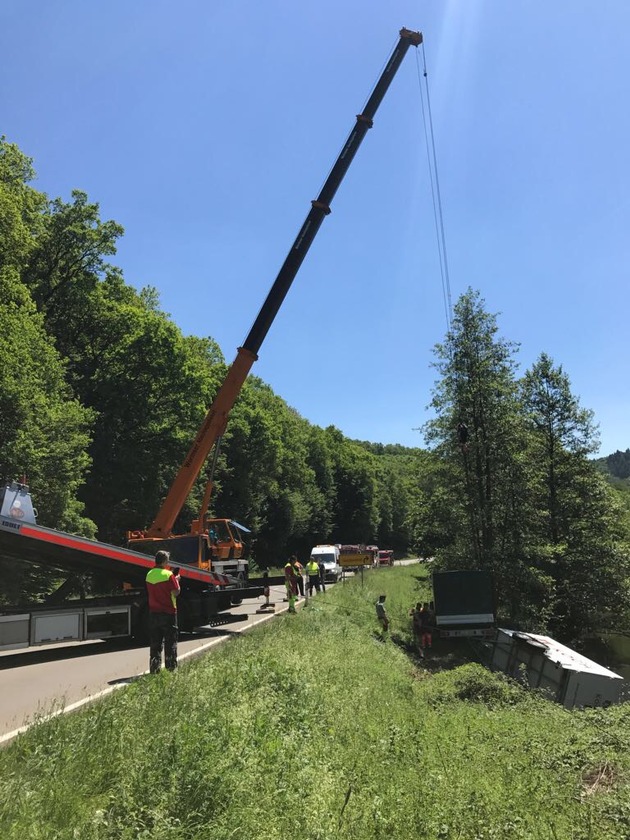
221, 547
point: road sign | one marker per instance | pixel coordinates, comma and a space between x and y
358, 559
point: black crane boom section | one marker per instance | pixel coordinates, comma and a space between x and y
320, 208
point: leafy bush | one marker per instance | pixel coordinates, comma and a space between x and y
474, 683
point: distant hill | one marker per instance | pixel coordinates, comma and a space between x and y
616, 465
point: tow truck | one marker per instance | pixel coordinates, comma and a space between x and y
206, 592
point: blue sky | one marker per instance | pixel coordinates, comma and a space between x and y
205, 129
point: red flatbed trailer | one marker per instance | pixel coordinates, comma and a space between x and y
204, 594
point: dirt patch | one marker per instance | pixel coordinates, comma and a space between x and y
599, 779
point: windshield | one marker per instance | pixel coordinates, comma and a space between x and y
325, 558
219, 531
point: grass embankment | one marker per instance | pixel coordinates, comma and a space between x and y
314, 728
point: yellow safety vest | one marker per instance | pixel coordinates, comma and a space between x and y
312, 568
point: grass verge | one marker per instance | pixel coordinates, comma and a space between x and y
316, 727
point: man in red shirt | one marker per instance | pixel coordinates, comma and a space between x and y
162, 590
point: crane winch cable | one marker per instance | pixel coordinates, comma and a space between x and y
438, 216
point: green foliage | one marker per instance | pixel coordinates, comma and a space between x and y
20, 207
356, 511
577, 527
476, 684
43, 430
312, 728
141, 439
520, 498
67, 263
482, 502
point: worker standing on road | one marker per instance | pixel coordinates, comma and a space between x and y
312, 570
162, 591
299, 574
290, 582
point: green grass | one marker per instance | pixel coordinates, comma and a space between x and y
314, 727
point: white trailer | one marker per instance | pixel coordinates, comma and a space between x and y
563, 674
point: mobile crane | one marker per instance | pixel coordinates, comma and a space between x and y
197, 544
205, 590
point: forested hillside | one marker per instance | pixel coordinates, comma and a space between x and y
616, 467
101, 395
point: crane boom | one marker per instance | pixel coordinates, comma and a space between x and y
216, 419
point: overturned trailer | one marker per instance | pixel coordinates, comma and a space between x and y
563, 674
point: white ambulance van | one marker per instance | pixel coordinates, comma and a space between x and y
329, 556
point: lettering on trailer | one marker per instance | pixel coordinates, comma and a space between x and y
13, 526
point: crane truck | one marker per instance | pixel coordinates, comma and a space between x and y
206, 591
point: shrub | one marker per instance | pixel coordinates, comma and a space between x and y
476, 684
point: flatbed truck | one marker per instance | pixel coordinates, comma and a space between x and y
59, 618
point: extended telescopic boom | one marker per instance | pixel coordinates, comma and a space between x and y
216, 419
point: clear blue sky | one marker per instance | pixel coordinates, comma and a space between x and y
205, 128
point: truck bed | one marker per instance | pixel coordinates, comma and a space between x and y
70, 553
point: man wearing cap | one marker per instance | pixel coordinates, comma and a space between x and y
312, 570
162, 590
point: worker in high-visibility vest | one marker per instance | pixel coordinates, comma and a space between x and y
312, 570
290, 582
162, 591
